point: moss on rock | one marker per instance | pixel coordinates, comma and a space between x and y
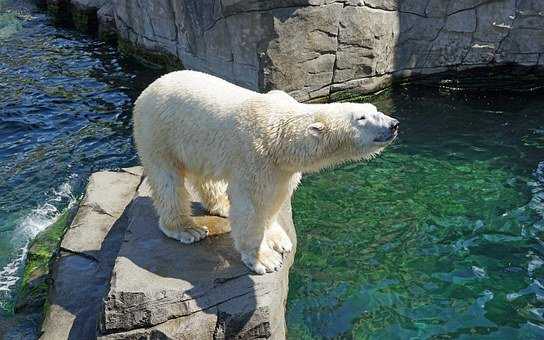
85, 20
35, 281
59, 10
152, 59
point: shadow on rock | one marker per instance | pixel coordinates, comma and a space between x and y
202, 290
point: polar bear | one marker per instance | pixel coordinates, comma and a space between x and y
244, 153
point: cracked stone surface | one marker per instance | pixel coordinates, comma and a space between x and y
118, 277
81, 271
107, 195
312, 48
161, 288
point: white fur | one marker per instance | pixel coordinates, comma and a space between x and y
242, 147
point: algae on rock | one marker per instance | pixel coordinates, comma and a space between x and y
35, 279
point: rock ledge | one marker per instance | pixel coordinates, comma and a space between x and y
118, 277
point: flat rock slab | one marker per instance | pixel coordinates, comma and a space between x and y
160, 287
81, 272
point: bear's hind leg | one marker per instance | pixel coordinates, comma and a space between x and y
213, 194
172, 203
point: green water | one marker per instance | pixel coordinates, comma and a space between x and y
440, 237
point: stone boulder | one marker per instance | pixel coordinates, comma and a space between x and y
118, 277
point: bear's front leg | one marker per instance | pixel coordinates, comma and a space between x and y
252, 213
278, 239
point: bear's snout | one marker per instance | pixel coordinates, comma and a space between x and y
394, 127
390, 133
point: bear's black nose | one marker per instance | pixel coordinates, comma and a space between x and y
394, 126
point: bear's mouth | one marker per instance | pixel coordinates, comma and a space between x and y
386, 139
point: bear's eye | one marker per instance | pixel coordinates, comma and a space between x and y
361, 118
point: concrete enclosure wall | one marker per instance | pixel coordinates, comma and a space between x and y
314, 48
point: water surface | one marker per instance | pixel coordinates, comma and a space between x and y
64, 113
440, 237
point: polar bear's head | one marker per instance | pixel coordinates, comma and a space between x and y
309, 137
342, 132
362, 126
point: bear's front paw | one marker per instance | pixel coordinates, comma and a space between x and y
185, 235
278, 239
265, 260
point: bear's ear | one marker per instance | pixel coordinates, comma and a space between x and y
316, 129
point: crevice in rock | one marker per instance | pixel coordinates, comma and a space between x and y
220, 280
174, 22
377, 8
329, 34
124, 170
131, 29
507, 35
413, 13
174, 317
77, 253
97, 208
485, 2
472, 39
431, 43
334, 65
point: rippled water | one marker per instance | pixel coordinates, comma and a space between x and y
64, 113
440, 237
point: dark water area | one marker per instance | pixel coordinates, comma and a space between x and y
440, 237
64, 113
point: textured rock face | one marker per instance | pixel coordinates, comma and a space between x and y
312, 48
118, 277
81, 272
199, 291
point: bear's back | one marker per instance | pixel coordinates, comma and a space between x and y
204, 88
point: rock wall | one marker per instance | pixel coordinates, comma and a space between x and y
316, 48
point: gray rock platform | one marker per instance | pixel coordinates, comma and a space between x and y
119, 277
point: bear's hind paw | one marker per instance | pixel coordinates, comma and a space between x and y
187, 235
219, 211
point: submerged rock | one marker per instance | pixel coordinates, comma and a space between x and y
36, 275
118, 277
